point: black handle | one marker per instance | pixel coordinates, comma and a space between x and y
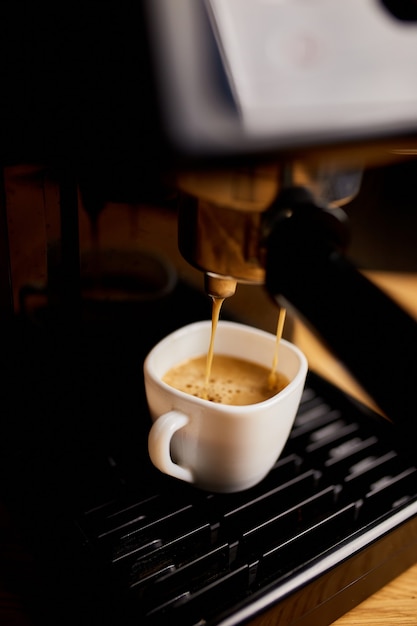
366, 330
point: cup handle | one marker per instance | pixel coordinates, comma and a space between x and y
159, 441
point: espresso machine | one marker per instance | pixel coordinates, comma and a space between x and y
252, 125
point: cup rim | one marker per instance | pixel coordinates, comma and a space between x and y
230, 408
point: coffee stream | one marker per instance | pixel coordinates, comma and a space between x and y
274, 379
217, 305
229, 379
273, 376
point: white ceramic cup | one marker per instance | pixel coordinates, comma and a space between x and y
220, 447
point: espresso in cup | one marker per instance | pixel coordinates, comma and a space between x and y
213, 445
232, 380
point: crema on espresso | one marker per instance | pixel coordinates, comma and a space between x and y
232, 380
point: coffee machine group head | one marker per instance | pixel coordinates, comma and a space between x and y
226, 218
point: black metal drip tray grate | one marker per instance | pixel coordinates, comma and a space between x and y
189, 557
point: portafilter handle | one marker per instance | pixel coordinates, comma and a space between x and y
307, 270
